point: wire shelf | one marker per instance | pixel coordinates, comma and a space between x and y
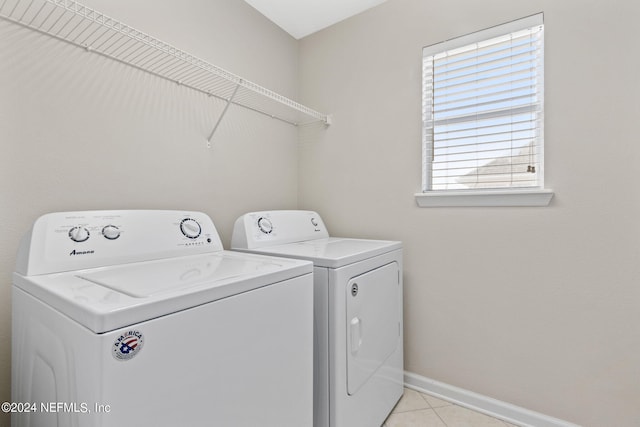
74, 23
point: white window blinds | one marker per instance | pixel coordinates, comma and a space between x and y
483, 109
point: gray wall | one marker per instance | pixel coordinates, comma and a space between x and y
78, 131
539, 307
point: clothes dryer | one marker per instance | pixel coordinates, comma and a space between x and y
358, 334
141, 318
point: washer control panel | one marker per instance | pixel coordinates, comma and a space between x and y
269, 228
75, 240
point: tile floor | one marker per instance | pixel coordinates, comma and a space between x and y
422, 410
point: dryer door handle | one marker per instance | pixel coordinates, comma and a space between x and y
356, 334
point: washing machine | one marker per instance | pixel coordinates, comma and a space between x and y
141, 318
358, 334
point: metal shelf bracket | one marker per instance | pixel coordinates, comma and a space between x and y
226, 107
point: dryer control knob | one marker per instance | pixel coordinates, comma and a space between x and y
190, 228
265, 225
78, 234
111, 232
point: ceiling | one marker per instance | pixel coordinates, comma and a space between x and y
303, 17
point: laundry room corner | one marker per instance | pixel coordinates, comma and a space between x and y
535, 306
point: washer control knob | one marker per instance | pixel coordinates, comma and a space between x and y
78, 234
111, 232
190, 228
264, 224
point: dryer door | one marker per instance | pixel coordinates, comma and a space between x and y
373, 322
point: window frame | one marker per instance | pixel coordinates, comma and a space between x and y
510, 196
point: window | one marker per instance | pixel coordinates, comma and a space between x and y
483, 116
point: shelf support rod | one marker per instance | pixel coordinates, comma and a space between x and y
226, 107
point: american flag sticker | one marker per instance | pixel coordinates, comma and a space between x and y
127, 345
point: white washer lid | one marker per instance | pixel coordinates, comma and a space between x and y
108, 298
332, 252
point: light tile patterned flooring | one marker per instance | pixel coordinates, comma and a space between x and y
422, 410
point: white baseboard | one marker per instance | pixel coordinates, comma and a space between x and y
496, 408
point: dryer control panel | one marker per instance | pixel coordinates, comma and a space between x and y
268, 228
66, 241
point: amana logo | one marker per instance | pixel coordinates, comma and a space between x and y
74, 252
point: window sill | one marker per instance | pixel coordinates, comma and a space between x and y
463, 198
